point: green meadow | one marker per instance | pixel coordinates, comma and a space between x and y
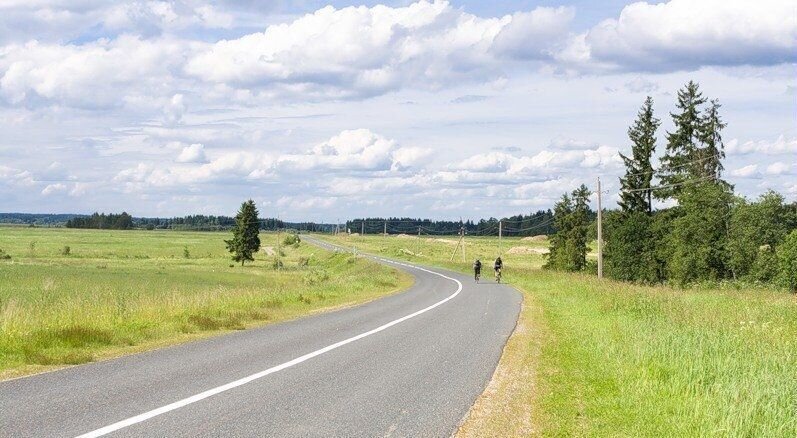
603, 358
117, 292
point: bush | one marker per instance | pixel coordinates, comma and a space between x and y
699, 235
150, 227
765, 267
4, 255
291, 239
787, 262
630, 248
186, 253
304, 261
66, 250
754, 227
276, 263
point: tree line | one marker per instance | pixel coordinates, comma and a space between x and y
540, 222
710, 234
122, 221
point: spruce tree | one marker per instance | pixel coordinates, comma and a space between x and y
713, 150
557, 253
679, 163
245, 240
580, 225
635, 186
568, 250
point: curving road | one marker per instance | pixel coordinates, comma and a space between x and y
410, 364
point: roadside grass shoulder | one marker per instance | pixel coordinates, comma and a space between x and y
118, 292
603, 358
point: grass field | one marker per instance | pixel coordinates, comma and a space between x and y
601, 358
123, 291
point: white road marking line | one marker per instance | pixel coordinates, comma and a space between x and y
211, 392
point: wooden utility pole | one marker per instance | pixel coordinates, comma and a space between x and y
279, 245
385, 232
500, 234
462, 238
362, 228
460, 242
600, 232
418, 248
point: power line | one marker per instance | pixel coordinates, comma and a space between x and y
520, 230
669, 186
674, 167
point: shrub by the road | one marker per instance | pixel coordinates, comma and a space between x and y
787, 262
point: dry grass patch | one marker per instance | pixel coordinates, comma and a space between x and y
508, 405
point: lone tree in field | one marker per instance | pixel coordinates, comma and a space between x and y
245, 240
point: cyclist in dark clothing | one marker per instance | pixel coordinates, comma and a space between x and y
498, 266
477, 269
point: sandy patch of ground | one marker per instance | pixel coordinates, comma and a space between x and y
526, 250
403, 236
538, 238
269, 250
410, 253
438, 240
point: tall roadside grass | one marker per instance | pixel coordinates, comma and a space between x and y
602, 358
620, 359
122, 291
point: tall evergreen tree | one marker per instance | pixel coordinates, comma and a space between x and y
679, 163
245, 240
557, 253
568, 250
638, 168
713, 150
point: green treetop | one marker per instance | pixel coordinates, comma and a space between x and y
635, 195
245, 240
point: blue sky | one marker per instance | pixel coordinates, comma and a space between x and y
429, 108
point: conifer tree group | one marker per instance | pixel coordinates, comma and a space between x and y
709, 235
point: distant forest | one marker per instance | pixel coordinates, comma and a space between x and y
124, 221
532, 224
102, 221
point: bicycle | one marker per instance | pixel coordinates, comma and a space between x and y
498, 275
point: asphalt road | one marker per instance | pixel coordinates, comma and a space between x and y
410, 364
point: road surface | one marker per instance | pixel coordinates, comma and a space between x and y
410, 364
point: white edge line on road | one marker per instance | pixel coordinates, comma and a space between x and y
219, 389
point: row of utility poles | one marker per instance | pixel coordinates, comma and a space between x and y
461, 241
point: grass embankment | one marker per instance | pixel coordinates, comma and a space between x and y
118, 292
601, 358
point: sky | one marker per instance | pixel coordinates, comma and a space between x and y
327, 111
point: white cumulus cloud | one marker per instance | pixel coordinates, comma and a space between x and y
749, 171
682, 34
194, 153
52, 189
779, 146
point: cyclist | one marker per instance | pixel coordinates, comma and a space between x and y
477, 269
498, 266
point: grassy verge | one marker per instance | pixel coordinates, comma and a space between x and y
120, 292
601, 358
